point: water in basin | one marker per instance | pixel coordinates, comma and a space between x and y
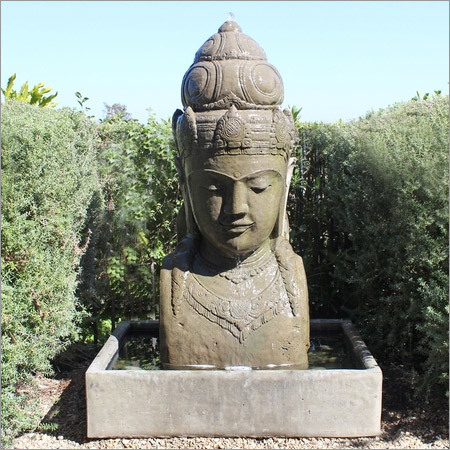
328, 350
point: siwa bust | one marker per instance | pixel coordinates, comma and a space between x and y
233, 293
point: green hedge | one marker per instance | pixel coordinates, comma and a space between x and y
368, 212
313, 233
49, 174
133, 224
372, 224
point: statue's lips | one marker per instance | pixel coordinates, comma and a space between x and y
237, 227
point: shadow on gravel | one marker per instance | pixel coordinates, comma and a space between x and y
403, 413
406, 411
67, 416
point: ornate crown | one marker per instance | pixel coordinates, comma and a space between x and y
231, 97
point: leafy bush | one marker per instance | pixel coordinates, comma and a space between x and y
373, 229
48, 178
313, 233
134, 223
368, 211
395, 188
34, 97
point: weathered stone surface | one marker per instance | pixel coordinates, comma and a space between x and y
233, 293
224, 330
228, 56
230, 403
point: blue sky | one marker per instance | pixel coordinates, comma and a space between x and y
338, 60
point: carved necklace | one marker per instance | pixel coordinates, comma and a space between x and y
239, 316
244, 270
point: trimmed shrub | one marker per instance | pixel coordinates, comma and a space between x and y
48, 178
313, 233
133, 224
373, 229
390, 195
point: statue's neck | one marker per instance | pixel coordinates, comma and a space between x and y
217, 259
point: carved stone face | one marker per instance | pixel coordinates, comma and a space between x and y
236, 200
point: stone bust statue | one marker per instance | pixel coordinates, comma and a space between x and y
233, 293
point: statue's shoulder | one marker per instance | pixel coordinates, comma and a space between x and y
173, 275
167, 263
285, 253
295, 261
293, 272
182, 256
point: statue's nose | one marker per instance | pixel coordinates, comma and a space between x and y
236, 201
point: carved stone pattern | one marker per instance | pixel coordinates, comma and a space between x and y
230, 45
186, 132
239, 317
233, 134
283, 255
282, 130
237, 274
231, 55
231, 131
182, 260
227, 101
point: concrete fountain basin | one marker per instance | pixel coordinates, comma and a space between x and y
234, 403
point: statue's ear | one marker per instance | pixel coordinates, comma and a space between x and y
290, 171
282, 225
175, 117
181, 224
179, 167
185, 220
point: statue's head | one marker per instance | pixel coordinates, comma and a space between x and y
234, 144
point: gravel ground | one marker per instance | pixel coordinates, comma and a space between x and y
404, 423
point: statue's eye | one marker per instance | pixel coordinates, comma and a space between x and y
259, 189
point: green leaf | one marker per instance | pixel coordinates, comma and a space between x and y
47, 101
23, 93
9, 87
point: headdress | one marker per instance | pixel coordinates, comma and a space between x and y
231, 97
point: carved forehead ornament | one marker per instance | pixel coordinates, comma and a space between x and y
231, 97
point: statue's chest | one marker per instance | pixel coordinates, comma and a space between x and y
239, 301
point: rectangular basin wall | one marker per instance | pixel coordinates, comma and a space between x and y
258, 403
